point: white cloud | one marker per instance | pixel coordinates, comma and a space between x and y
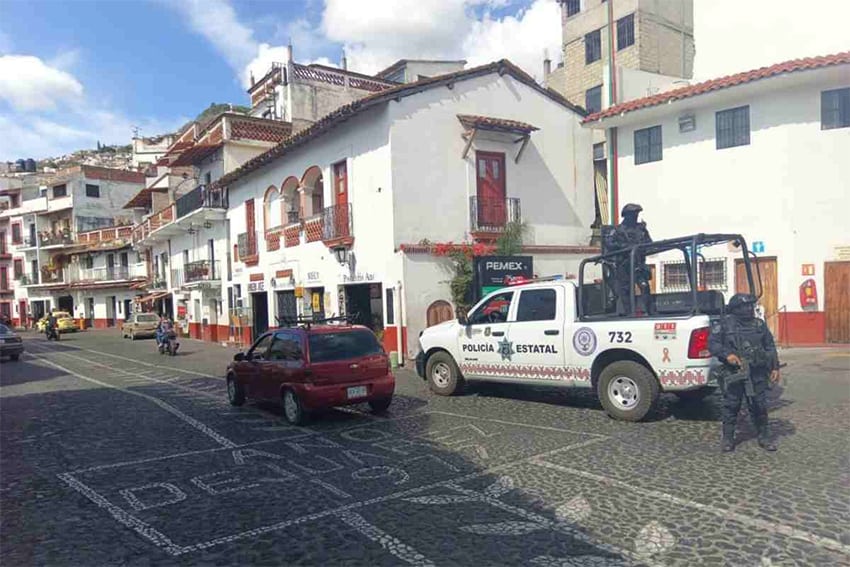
539, 27
37, 136
27, 83
378, 32
763, 32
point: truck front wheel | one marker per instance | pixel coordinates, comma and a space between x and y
443, 374
627, 390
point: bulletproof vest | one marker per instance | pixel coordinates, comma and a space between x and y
746, 337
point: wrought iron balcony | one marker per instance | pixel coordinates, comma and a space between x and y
337, 222
201, 197
107, 273
246, 245
158, 282
492, 215
201, 271
53, 239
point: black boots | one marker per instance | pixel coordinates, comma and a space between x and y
727, 445
765, 442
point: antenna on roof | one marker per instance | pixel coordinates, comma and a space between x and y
344, 61
136, 131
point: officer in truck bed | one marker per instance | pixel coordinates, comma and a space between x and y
630, 232
750, 363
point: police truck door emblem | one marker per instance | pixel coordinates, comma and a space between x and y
506, 349
584, 341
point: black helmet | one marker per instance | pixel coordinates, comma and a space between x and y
741, 299
631, 208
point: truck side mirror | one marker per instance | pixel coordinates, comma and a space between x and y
462, 319
239, 357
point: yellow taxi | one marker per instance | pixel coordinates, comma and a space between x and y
64, 322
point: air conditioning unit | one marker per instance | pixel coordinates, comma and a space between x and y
687, 123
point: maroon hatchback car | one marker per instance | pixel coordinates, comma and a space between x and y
313, 367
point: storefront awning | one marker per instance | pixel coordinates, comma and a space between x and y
151, 297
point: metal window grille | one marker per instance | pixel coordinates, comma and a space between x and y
733, 127
592, 47
573, 7
835, 109
593, 99
648, 145
599, 151
92, 190
625, 32
711, 274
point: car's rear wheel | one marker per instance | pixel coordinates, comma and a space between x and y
235, 393
443, 374
293, 409
380, 405
627, 390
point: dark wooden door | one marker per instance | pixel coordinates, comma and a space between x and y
769, 300
490, 173
836, 304
438, 312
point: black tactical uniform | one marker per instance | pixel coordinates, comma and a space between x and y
628, 233
741, 333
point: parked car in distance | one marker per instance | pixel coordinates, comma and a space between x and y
64, 323
140, 325
313, 367
11, 344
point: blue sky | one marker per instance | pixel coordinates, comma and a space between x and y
79, 71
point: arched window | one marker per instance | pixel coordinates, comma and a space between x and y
314, 188
271, 208
290, 200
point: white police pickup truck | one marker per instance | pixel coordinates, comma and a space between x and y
578, 333
532, 334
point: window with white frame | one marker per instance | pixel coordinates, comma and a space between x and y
648, 145
733, 127
835, 109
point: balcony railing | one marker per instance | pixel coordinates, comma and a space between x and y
492, 215
337, 222
201, 271
246, 245
201, 197
27, 242
52, 239
158, 282
27, 279
108, 273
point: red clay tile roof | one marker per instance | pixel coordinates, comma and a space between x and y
195, 154
499, 124
143, 199
723, 83
263, 130
398, 92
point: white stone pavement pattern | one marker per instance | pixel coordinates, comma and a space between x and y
112, 454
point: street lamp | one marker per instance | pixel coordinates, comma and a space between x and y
341, 254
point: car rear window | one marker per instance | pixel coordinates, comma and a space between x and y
147, 318
325, 347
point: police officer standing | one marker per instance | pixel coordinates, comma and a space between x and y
745, 346
630, 232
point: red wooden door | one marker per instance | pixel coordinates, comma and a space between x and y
341, 214
22, 312
490, 173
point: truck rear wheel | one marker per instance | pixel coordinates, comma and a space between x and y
443, 374
627, 390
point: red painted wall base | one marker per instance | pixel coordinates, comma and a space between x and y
802, 328
195, 330
391, 339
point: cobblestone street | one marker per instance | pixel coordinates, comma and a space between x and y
113, 454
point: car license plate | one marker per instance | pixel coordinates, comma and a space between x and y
357, 392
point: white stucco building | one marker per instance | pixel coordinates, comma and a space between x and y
50, 224
762, 153
451, 158
182, 232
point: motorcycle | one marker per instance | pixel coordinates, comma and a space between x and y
167, 343
52, 333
